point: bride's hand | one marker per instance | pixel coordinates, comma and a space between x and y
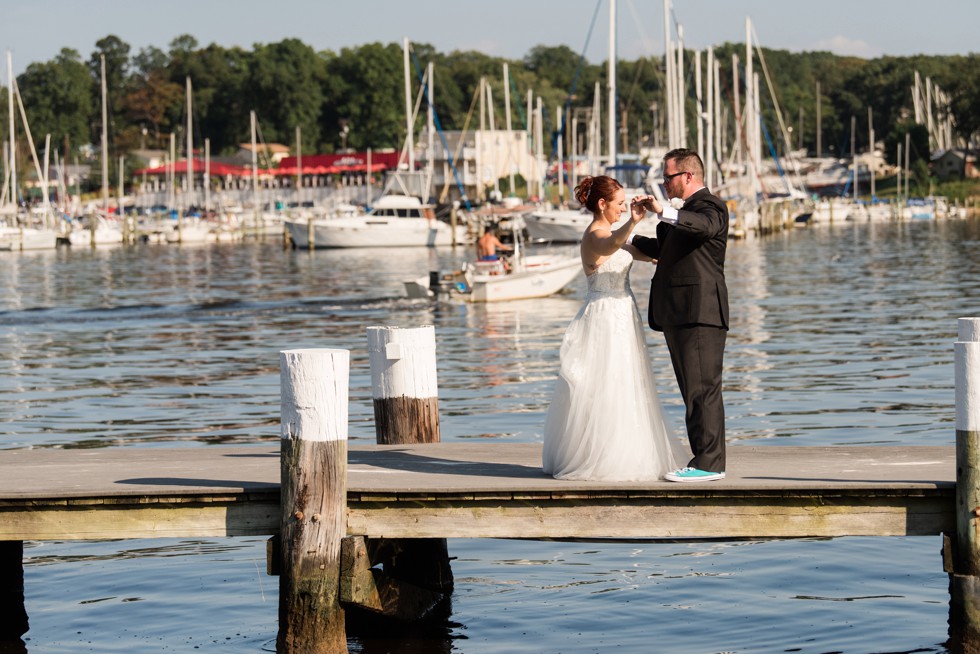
639, 207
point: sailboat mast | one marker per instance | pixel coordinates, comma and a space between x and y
737, 104
561, 160
255, 172
854, 161
207, 176
409, 136
10, 102
510, 137
612, 83
669, 75
431, 124
105, 145
700, 100
751, 121
819, 143
709, 155
190, 145
681, 92
871, 152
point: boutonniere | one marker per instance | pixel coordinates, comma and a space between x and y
677, 203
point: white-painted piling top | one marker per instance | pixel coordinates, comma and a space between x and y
403, 362
314, 388
967, 364
969, 329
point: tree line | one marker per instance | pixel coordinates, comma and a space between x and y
355, 97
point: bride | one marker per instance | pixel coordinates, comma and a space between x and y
605, 422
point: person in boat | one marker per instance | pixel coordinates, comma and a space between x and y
488, 244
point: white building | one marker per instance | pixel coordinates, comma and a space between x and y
484, 162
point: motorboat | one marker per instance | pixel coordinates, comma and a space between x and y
527, 276
393, 221
564, 225
103, 232
29, 238
557, 225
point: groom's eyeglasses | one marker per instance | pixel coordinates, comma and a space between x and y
667, 178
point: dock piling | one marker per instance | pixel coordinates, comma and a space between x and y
13, 613
313, 467
964, 580
403, 381
416, 571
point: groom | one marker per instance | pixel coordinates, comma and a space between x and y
689, 304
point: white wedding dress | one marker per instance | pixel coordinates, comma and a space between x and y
605, 422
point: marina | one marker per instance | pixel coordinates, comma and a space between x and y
262, 393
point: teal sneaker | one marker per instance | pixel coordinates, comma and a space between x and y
693, 474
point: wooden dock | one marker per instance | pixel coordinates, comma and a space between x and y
476, 490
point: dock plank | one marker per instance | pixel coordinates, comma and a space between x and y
485, 489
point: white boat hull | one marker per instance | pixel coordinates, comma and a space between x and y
28, 238
541, 276
565, 226
557, 226
104, 235
374, 231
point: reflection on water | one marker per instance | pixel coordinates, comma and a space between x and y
840, 335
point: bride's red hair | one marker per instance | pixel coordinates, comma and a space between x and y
592, 189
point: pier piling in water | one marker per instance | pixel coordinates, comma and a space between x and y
13, 614
964, 578
416, 571
313, 467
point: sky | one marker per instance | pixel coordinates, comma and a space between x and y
36, 30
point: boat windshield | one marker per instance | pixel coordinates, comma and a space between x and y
398, 213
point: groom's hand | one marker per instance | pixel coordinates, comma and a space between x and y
645, 203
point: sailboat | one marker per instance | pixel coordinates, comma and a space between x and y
100, 230
398, 218
24, 232
563, 225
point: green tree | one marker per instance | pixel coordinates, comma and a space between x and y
964, 88
285, 87
366, 90
221, 103
57, 99
151, 102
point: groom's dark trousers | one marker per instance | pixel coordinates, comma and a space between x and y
697, 353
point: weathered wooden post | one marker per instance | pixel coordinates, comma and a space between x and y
13, 614
403, 382
417, 575
964, 606
313, 465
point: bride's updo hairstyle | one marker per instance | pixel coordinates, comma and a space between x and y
592, 189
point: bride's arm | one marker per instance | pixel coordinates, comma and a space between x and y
637, 255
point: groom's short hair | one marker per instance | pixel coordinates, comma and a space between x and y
687, 160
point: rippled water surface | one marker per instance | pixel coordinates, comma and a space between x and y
840, 336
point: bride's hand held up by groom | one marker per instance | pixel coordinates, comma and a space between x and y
644, 203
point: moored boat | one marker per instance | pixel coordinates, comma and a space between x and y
393, 221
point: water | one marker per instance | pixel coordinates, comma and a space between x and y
840, 336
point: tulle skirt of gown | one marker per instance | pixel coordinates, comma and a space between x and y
605, 422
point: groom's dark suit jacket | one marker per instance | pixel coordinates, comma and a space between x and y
688, 286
